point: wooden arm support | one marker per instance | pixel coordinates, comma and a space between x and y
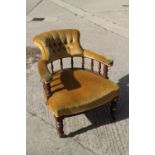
101, 58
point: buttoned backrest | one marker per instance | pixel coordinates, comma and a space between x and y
59, 44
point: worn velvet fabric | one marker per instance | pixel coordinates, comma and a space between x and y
73, 90
79, 90
61, 44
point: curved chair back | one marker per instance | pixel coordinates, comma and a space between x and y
59, 44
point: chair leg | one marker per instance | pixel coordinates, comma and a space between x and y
113, 108
59, 126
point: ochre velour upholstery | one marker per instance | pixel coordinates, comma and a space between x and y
73, 90
60, 44
79, 90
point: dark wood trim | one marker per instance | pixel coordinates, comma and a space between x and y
52, 67
92, 65
61, 64
47, 89
105, 67
105, 71
72, 62
83, 62
59, 125
99, 68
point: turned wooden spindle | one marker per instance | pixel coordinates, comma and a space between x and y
52, 68
61, 64
99, 68
83, 62
72, 62
47, 89
92, 65
105, 71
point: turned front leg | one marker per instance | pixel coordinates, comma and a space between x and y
113, 108
59, 126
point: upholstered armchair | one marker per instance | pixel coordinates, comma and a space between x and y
73, 90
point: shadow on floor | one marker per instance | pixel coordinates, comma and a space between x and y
101, 116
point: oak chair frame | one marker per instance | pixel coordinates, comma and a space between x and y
48, 93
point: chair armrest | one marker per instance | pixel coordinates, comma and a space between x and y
101, 58
43, 71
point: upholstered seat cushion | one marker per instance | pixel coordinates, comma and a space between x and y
79, 90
